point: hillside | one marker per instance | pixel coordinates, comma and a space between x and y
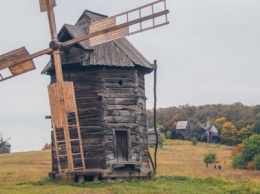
243, 120
180, 169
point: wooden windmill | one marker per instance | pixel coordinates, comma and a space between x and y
5, 147
61, 93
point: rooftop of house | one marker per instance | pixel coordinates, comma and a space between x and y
151, 131
182, 125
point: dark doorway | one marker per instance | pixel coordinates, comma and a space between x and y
121, 146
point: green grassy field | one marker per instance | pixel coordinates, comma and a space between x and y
180, 170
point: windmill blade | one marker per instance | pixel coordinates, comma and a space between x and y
47, 6
61, 88
119, 26
20, 61
8, 139
7, 60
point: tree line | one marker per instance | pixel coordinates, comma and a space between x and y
235, 122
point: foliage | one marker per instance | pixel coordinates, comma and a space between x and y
245, 133
168, 135
229, 134
238, 161
251, 147
250, 150
237, 149
163, 139
256, 127
257, 162
243, 117
219, 122
194, 141
210, 158
250, 166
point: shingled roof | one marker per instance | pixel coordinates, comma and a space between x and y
123, 45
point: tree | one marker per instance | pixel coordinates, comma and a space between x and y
219, 122
238, 161
237, 149
210, 158
249, 153
245, 133
257, 162
256, 127
194, 141
251, 147
229, 134
168, 135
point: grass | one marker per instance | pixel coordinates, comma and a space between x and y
180, 170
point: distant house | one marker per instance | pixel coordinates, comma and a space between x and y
182, 129
152, 137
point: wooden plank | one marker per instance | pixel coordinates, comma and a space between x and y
45, 5
55, 105
106, 37
9, 60
11, 56
69, 97
22, 68
102, 24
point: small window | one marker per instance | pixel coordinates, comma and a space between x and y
120, 82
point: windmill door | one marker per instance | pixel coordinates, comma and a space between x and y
121, 146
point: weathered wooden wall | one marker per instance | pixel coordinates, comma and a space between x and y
110, 101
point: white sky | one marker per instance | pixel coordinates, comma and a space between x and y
208, 54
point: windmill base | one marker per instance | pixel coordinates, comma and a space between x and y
96, 175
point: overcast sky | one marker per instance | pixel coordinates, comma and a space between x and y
208, 54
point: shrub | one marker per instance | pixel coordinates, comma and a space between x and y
163, 139
257, 162
168, 135
250, 166
194, 141
238, 161
237, 149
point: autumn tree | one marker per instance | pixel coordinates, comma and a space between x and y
245, 133
219, 122
249, 153
237, 149
229, 134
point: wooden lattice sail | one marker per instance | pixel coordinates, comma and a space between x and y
18, 68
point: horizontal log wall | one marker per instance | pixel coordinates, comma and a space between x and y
109, 99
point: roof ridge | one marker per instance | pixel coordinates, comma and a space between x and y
86, 10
